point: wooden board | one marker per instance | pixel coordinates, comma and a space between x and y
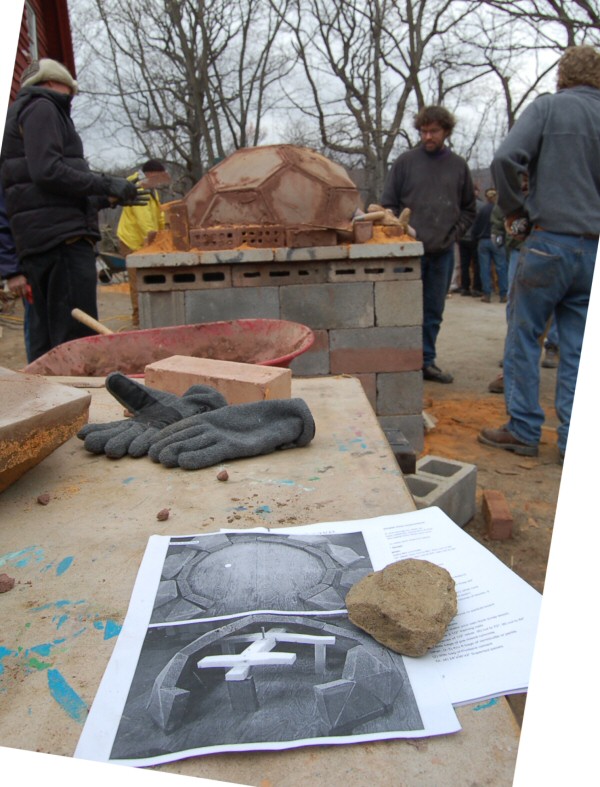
75, 562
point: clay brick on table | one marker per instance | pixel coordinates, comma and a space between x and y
238, 382
497, 515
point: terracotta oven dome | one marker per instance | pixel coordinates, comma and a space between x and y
273, 195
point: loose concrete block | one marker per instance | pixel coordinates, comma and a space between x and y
329, 306
235, 303
238, 382
399, 303
447, 484
497, 515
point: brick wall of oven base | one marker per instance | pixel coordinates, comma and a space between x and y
366, 315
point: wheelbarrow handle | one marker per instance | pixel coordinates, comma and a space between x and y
90, 321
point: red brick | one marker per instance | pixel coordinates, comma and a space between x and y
238, 382
497, 515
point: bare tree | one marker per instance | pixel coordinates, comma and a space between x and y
188, 80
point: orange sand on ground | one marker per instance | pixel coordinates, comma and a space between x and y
459, 421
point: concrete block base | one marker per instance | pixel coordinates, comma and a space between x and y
447, 484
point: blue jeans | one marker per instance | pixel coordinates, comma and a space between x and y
436, 275
488, 252
554, 274
552, 335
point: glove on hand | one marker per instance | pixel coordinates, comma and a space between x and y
152, 410
126, 192
234, 432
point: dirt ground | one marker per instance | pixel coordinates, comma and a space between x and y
470, 346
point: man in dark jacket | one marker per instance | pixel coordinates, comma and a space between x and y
489, 251
436, 185
556, 141
52, 201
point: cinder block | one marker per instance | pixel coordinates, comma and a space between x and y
321, 253
405, 454
278, 275
238, 382
235, 303
315, 361
159, 309
497, 515
399, 393
328, 306
410, 425
376, 350
399, 303
445, 483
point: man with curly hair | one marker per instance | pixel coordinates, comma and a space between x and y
556, 141
436, 184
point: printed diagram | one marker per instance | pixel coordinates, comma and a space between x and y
231, 573
261, 678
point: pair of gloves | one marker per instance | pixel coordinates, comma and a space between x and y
198, 429
125, 192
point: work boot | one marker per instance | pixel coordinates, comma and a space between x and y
436, 375
486, 298
502, 438
503, 299
550, 360
497, 385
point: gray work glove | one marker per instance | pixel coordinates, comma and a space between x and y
126, 192
234, 432
152, 411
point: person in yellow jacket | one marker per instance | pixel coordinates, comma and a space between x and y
138, 222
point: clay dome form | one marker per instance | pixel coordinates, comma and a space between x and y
273, 195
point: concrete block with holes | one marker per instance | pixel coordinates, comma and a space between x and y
446, 483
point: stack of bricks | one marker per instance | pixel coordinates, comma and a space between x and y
363, 301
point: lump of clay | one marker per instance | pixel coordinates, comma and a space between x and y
406, 606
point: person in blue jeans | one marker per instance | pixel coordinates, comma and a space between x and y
488, 251
436, 184
557, 141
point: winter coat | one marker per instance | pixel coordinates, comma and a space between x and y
51, 193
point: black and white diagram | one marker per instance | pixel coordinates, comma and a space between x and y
231, 573
261, 678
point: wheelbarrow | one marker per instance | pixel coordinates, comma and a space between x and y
259, 341
110, 266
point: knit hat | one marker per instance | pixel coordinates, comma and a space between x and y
47, 70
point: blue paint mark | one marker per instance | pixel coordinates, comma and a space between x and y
99, 624
360, 441
489, 704
239, 508
129, 480
23, 557
67, 698
286, 482
5, 652
262, 510
57, 604
44, 650
79, 633
63, 565
62, 619
112, 629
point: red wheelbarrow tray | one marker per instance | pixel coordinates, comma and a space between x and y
258, 341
